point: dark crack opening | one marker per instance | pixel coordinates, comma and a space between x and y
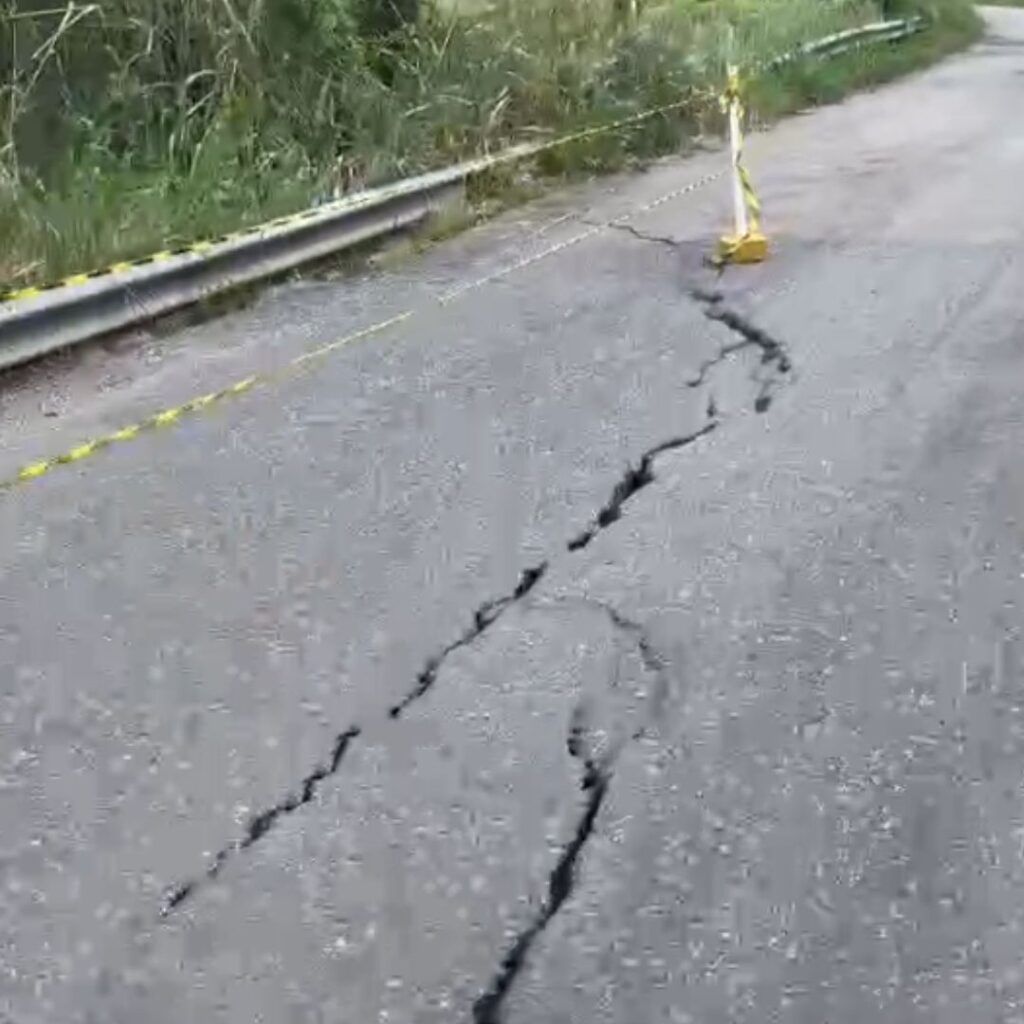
576, 744
774, 356
643, 236
483, 618
635, 479
650, 657
595, 781
487, 1009
595, 778
260, 824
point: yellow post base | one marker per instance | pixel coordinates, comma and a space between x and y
749, 248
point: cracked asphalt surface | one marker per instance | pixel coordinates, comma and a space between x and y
618, 643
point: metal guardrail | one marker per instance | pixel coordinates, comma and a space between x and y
39, 321
849, 39
64, 316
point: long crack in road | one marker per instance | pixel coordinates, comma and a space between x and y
624, 643
633, 480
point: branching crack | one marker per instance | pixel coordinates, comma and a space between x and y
773, 353
596, 772
774, 357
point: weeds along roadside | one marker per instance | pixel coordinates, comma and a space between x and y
136, 124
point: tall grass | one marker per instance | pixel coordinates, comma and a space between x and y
129, 124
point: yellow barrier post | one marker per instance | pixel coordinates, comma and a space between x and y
747, 244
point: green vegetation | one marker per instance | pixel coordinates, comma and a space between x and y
133, 124
952, 25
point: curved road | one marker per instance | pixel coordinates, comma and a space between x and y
609, 644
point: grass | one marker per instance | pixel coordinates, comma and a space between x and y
951, 27
183, 119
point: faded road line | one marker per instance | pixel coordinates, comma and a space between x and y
169, 417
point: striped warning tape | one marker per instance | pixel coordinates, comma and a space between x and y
818, 47
168, 417
193, 248
201, 247
734, 94
748, 243
161, 419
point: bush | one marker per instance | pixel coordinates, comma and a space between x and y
383, 19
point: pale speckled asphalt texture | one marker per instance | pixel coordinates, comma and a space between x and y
754, 753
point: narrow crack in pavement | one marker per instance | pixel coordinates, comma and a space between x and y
635, 479
483, 618
774, 355
487, 1008
595, 782
260, 824
649, 655
643, 236
597, 776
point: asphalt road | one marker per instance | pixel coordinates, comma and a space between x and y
587, 649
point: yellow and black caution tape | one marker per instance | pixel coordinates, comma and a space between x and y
161, 419
516, 153
201, 247
193, 248
746, 245
169, 417
734, 95
750, 197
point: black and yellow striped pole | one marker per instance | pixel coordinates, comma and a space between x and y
747, 243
